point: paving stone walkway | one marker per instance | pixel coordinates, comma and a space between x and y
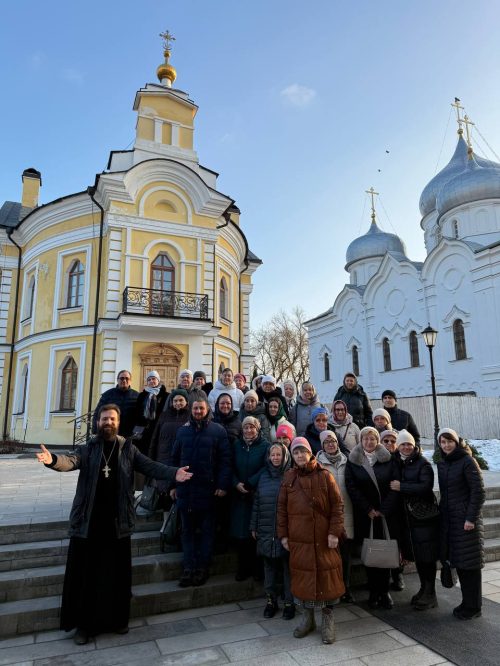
231, 633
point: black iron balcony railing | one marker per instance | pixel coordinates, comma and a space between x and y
176, 304
82, 428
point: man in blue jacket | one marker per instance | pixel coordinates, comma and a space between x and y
205, 447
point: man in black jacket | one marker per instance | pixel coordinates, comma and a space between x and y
358, 404
400, 419
123, 397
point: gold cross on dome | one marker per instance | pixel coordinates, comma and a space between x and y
467, 121
373, 194
458, 107
168, 38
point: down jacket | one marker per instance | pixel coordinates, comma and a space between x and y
126, 401
358, 404
249, 463
265, 508
203, 446
219, 388
88, 460
260, 414
462, 497
310, 508
364, 493
162, 441
419, 538
402, 420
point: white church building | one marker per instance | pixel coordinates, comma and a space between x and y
373, 327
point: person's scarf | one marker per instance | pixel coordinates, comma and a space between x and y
151, 402
333, 458
371, 457
274, 419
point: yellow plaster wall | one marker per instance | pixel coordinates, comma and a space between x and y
56, 230
166, 136
186, 138
145, 129
168, 108
220, 347
165, 205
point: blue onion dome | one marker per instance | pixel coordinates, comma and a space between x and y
457, 164
475, 183
375, 243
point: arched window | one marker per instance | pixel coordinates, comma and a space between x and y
354, 277
76, 277
23, 392
459, 340
163, 273
455, 228
439, 235
386, 349
414, 357
326, 367
30, 298
355, 360
223, 299
69, 377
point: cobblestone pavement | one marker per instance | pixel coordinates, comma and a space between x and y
230, 633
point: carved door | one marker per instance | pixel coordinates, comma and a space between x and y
165, 359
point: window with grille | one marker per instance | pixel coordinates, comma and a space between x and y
69, 377
386, 349
76, 280
414, 357
355, 360
459, 340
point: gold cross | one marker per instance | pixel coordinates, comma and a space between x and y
168, 38
466, 121
456, 104
373, 194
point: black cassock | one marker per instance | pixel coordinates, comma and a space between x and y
98, 578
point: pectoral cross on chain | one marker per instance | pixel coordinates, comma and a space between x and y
106, 469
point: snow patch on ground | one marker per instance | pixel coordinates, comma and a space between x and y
488, 448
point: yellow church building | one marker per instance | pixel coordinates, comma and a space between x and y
146, 269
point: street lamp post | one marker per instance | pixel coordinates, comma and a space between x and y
430, 334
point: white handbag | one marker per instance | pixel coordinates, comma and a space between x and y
380, 553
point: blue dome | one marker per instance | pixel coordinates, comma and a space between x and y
474, 183
455, 166
375, 243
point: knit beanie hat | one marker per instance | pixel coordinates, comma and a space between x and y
317, 411
327, 433
300, 441
252, 421
286, 430
382, 412
153, 373
405, 437
251, 394
392, 432
390, 393
368, 430
199, 373
241, 376
181, 392
268, 379
452, 433
185, 372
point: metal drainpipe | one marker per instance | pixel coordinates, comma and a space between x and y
91, 192
13, 336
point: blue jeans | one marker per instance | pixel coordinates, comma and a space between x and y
198, 530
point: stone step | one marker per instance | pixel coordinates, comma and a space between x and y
49, 553
492, 508
29, 615
492, 492
33, 583
491, 527
58, 529
492, 549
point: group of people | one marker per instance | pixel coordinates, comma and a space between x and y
296, 485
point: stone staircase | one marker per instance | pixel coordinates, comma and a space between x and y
32, 561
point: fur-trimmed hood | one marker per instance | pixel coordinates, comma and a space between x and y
357, 456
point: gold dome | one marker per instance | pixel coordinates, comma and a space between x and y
166, 70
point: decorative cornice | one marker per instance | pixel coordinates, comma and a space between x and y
58, 334
60, 241
124, 221
54, 213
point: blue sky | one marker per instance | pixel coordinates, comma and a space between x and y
298, 104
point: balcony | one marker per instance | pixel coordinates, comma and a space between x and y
168, 304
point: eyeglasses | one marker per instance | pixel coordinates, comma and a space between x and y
389, 441
124, 379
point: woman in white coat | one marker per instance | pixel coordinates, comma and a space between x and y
332, 458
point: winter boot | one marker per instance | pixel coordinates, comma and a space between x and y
327, 626
288, 611
398, 583
428, 599
307, 624
419, 594
271, 606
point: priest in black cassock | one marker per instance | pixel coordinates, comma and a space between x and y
98, 578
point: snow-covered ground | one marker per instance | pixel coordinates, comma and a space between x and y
488, 448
